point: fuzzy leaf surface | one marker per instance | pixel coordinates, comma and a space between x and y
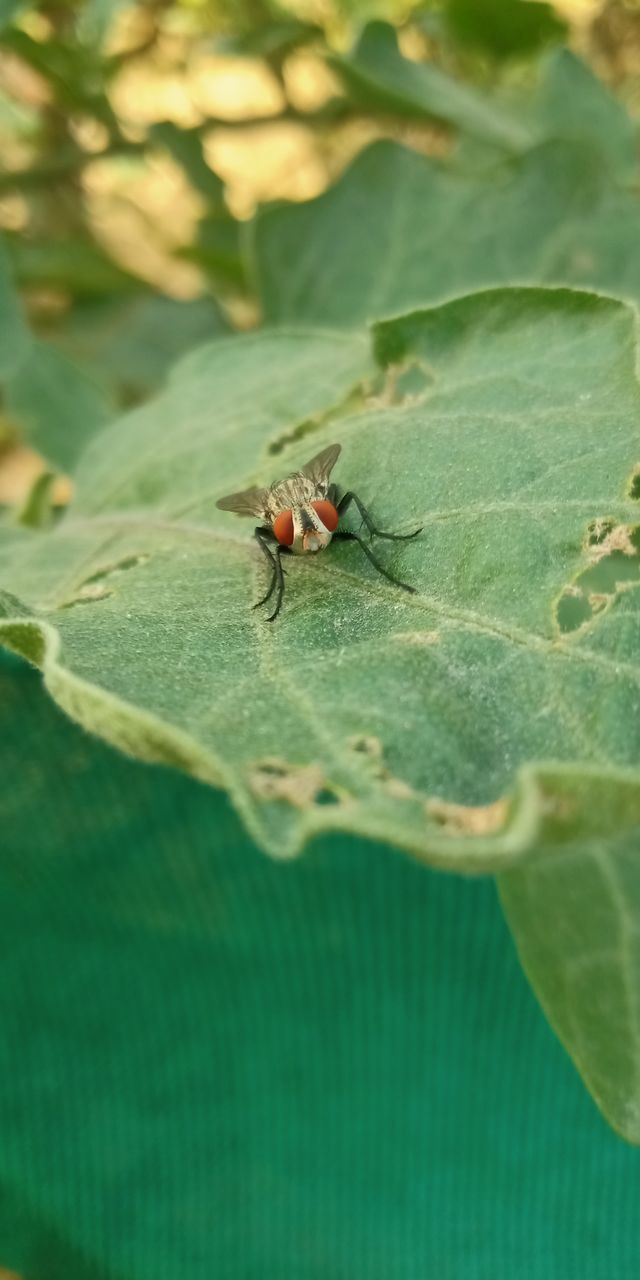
363, 707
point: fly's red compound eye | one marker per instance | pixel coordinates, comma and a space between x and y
327, 513
283, 528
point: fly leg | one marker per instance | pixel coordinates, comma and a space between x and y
345, 535
264, 538
279, 583
345, 503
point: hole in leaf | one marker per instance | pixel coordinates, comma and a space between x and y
371, 749
88, 594
573, 610
413, 383
94, 587
300, 785
366, 746
327, 796
272, 769
468, 820
610, 574
634, 487
599, 530
120, 566
289, 437
351, 402
614, 567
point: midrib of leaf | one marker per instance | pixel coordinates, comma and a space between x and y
457, 617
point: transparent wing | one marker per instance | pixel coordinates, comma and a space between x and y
319, 468
250, 502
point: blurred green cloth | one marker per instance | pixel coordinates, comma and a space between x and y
215, 1067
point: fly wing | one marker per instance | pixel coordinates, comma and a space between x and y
250, 502
319, 468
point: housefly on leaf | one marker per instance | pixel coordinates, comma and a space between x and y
301, 514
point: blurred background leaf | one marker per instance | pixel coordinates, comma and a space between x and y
81, 269
9, 9
504, 28
14, 333
552, 215
379, 78
132, 342
571, 102
96, 17
56, 405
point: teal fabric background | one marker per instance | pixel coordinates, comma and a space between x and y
213, 1067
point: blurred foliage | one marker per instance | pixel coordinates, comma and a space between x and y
504, 30
99, 94
139, 139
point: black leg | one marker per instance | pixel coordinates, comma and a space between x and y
261, 535
345, 535
264, 538
279, 583
345, 503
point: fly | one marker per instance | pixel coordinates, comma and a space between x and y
301, 514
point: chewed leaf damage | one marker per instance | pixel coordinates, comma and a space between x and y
613, 566
103, 583
298, 785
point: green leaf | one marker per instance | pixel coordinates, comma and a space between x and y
185, 145
504, 28
273, 39
55, 405
570, 102
399, 231
575, 916
51, 402
218, 243
96, 18
142, 596
76, 72
37, 510
219, 248
132, 342
379, 78
9, 9
14, 338
78, 267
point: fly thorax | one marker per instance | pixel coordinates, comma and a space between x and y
310, 534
